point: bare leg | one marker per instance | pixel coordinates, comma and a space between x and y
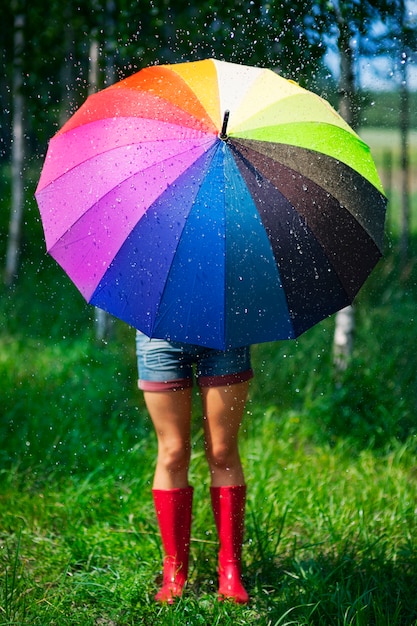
170, 412
223, 411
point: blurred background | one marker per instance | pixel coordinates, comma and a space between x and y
60, 357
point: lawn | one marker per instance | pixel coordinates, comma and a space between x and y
331, 530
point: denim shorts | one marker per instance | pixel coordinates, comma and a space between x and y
165, 365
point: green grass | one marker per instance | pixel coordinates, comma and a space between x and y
330, 464
381, 109
330, 539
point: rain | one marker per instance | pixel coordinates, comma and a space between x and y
78, 533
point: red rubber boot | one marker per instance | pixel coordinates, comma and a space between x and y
173, 511
229, 511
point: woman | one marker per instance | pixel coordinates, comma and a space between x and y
166, 378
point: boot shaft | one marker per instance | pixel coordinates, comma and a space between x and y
229, 513
228, 505
173, 509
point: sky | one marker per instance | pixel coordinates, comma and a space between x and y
380, 74
376, 74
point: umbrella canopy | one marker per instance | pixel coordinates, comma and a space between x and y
212, 203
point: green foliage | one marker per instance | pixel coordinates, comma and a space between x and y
372, 402
330, 463
132, 35
381, 109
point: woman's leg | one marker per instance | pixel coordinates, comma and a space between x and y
170, 412
223, 409
223, 413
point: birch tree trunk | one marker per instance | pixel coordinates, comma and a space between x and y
18, 152
67, 77
110, 44
102, 320
405, 168
404, 129
345, 319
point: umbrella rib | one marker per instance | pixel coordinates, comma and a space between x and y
139, 142
122, 182
195, 229
315, 231
258, 176
157, 317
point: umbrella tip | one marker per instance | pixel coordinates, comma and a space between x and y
223, 134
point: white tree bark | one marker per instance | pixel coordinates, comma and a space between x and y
67, 73
18, 153
404, 139
343, 338
345, 319
102, 320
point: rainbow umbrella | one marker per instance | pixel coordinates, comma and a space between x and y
212, 203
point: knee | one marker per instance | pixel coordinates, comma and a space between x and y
222, 455
174, 456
